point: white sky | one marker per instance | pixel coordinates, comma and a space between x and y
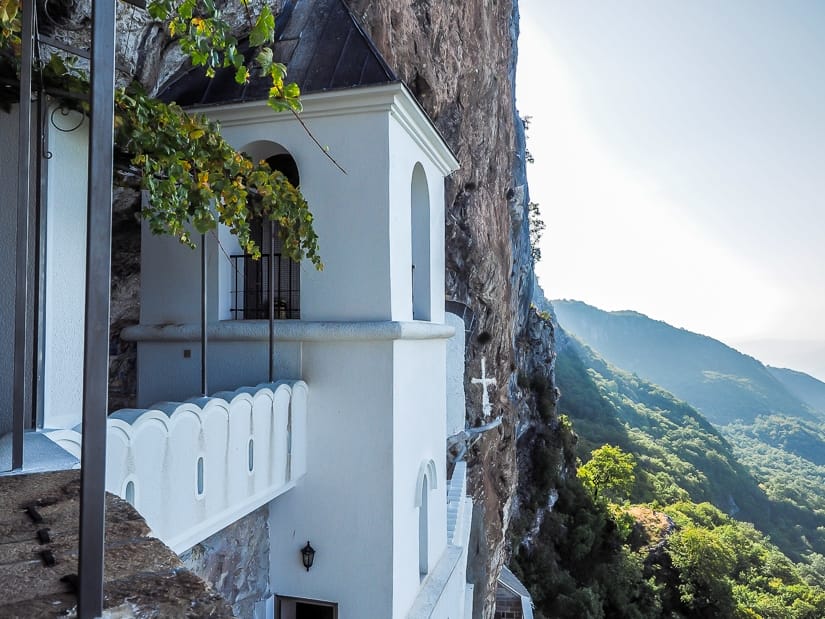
680, 163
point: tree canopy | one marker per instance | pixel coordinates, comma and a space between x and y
610, 471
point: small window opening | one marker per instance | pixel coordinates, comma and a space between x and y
251, 285
130, 493
420, 244
251, 454
200, 476
423, 531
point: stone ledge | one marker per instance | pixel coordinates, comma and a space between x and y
291, 331
435, 583
143, 578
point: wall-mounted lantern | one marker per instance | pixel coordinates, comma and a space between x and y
307, 555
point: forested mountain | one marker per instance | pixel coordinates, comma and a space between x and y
662, 519
722, 383
805, 387
681, 456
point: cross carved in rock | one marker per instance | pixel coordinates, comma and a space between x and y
485, 382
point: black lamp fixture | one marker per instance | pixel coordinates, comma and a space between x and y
307, 555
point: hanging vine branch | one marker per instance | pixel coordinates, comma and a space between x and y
194, 178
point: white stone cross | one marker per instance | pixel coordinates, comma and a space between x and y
486, 407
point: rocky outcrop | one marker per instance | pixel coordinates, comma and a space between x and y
39, 554
236, 561
125, 299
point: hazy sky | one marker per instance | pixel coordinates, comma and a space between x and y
680, 163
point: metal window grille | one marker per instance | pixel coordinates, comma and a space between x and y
251, 288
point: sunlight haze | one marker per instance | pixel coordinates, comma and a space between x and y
680, 164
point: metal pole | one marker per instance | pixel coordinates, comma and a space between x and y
98, 283
40, 259
22, 377
203, 316
271, 300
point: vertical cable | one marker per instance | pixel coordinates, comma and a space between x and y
271, 300
203, 316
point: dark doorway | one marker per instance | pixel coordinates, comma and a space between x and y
307, 610
297, 608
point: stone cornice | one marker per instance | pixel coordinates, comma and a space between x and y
393, 98
291, 331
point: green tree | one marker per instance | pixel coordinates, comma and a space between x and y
705, 562
610, 471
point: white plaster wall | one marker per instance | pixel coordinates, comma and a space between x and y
364, 231
451, 603
170, 290
8, 240
456, 405
350, 210
171, 295
344, 504
362, 217
406, 154
165, 373
419, 430
378, 407
65, 272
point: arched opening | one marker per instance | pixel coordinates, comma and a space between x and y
129, 494
427, 481
199, 482
423, 530
420, 243
251, 288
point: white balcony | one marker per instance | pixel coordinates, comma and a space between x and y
192, 468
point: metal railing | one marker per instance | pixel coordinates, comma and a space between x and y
251, 288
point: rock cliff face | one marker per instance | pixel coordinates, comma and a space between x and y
459, 59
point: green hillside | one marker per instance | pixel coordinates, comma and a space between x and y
722, 383
656, 522
681, 456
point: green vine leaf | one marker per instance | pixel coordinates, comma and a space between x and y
264, 29
194, 178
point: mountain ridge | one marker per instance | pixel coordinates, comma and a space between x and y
723, 383
807, 388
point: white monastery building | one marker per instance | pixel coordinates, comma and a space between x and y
345, 440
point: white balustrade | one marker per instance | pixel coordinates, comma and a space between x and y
192, 468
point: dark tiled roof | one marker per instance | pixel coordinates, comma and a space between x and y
320, 42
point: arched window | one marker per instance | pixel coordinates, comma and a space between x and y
251, 285
424, 530
427, 481
420, 242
